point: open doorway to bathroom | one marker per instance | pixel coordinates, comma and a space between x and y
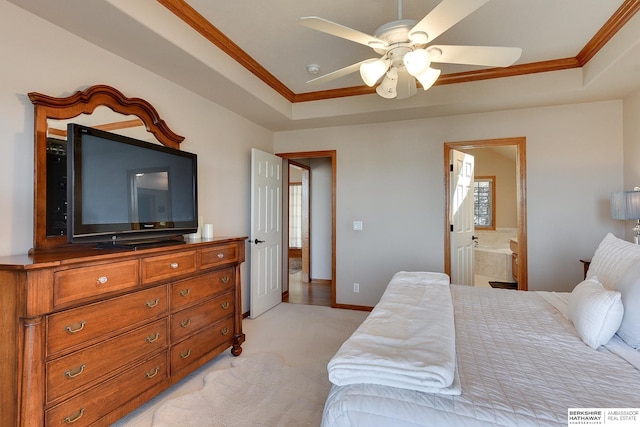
501, 255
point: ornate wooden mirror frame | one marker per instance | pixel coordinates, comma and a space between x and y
81, 102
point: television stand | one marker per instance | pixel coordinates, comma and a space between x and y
139, 244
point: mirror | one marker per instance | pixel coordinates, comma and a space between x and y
99, 106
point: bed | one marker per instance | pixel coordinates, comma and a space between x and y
519, 358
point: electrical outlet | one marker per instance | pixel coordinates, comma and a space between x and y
356, 287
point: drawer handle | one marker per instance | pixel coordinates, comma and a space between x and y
153, 338
225, 305
225, 331
185, 323
72, 330
152, 373
185, 354
102, 280
185, 292
70, 374
173, 265
153, 303
72, 419
225, 279
220, 256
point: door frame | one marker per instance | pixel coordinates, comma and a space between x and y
521, 199
285, 218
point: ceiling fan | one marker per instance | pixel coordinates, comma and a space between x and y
406, 50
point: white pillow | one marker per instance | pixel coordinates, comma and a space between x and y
629, 288
612, 259
595, 312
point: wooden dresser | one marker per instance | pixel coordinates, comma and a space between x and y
87, 335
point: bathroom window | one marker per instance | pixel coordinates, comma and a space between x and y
295, 215
484, 192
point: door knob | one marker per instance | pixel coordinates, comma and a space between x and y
258, 241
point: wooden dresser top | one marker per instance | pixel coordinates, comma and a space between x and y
81, 253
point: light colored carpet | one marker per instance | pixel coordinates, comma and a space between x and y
280, 379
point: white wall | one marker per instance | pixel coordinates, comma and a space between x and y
321, 184
40, 57
390, 176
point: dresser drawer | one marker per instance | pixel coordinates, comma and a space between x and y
191, 349
218, 255
164, 267
93, 404
188, 321
82, 367
193, 290
81, 325
80, 283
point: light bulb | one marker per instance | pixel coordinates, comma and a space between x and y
372, 70
417, 61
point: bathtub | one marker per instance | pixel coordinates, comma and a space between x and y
493, 262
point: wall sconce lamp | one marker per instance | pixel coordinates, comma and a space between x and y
625, 205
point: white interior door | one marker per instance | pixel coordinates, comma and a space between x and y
266, 232
462, 218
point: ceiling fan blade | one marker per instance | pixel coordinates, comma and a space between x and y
475, 55
444, 16
338, 73
339, 30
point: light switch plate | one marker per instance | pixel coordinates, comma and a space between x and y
357, 225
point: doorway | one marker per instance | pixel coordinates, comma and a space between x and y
311, 236
520, 255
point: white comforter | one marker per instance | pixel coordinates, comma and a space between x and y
394, 346
520, 363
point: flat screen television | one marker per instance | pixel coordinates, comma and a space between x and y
127, 192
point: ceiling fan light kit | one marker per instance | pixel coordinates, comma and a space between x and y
405, 54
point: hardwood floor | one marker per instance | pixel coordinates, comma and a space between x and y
312, 293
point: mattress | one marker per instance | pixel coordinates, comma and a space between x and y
520, 361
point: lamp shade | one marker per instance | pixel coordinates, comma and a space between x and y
417, 62
428, 78
625, 205
372, 70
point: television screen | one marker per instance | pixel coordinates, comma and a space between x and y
122, 189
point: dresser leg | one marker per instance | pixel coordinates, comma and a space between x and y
237, 342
